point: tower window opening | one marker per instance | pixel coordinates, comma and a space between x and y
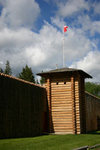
57, 83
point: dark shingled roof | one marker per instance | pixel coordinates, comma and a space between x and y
65, 70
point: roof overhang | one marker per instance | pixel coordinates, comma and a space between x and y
65, 71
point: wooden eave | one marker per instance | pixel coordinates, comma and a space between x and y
63, 72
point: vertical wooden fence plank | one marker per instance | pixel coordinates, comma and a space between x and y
73, 105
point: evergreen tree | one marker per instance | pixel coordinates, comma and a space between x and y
27, 74
8, 68
1, 70
93, 88
42, 80
37, 82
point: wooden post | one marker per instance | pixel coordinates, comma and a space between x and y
82, 106
84, 103
49, 103
73, 105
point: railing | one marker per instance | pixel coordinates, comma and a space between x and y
88, 147
82, 148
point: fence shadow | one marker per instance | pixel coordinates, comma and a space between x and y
94, 132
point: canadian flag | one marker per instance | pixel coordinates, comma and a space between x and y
65, 28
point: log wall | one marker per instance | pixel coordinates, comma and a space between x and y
92, 112
61, 105
66, 104
22, 107
80, 107
77, 106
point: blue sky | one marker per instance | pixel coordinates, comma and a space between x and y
31, 32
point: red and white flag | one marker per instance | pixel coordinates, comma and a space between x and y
65, 28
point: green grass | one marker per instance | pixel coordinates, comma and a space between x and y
50, 142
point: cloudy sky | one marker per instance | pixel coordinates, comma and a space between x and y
31, 32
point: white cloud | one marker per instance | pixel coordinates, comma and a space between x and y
96, 7
1, 62
70, 7
76, 45
59, 22
13, 39
2, 2
35, 56
88, 24
42, 50
24, 46
20, 13
91, 64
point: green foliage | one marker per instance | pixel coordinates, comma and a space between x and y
93, 88
50, 142
37, 82
1, 70
42, 80
8, 68
27, 74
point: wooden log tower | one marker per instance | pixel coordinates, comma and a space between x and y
66, 100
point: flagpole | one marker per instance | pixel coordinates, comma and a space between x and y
65, 29
63, 50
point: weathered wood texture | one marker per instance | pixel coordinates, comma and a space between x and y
92, 112
82, 106
66, 99
22, 107
61, 107
73, 86
79, 105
